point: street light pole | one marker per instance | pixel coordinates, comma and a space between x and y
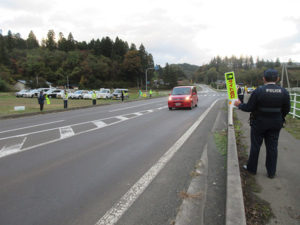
146, 76
151, 68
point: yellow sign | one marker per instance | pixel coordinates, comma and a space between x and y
231, 86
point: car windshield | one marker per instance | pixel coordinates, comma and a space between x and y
104, 91
181, 91
77, 92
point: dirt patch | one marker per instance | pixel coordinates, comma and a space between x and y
258, 211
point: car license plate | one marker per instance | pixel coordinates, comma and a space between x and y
177, 104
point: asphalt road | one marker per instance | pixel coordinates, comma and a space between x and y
102, 165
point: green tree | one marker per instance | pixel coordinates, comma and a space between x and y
31, 41
132, 66
50, 41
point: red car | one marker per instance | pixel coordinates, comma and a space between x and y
183, 97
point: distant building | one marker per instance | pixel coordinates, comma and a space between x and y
21, 84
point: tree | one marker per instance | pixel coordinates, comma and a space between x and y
106, 47
31, 41
9, 41
62, 42
50, 41
3, 52
120, 48
132, 66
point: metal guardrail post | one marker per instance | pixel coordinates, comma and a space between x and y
295, 104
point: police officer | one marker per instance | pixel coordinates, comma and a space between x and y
241, 92
268, 104
41, 100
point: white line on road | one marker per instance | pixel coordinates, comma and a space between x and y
37, 125
59, 128
122, 118
66, 132
115, 213
7, 150
130, 107
100, 123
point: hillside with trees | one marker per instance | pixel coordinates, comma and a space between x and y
247, 71
99, 63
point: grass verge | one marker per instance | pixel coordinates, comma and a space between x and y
257, 210
221, 141
293, 126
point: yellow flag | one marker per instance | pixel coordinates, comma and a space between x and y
231, 86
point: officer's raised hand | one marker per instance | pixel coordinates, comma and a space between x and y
237, 103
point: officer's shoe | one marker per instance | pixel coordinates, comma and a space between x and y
246, 168
271, 176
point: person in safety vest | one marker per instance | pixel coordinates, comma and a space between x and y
65, 98
41, 100
47, 99
94, 97
150, 93
269, 104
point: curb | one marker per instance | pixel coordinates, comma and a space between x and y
235, 210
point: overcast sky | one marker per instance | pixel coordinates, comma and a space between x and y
173, 31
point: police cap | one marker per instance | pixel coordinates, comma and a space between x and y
271, 74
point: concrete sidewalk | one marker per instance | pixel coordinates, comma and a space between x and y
282, 192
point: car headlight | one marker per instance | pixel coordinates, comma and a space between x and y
187, 98
170, 98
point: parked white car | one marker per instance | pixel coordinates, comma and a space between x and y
105, 93
118, 93
88, 95
32, 93
21, 93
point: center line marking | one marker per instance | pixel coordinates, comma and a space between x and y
112, 216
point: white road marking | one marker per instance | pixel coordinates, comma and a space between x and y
122, 118
59, 128
66, 132
37, 125
138, 114
99, 123
130, 107
115, 213
8, 150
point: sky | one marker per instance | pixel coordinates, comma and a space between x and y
173, 31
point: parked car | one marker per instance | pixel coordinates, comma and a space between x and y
75, 95
53, 93
118, 92
31, 93
88, 95
105, 93
183, 97
250, 90
21, 93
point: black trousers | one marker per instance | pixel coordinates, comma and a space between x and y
94, 101
65, 104
241, 98
269, 132
41, 107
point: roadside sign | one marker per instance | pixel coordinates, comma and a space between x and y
231, 86
156, 67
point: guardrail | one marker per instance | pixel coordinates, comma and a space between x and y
294, 108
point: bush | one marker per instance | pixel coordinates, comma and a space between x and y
3, 85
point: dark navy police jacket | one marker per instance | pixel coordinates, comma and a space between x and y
268, 104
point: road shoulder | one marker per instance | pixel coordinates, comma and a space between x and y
282, 192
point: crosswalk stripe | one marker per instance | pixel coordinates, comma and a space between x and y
66, 132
